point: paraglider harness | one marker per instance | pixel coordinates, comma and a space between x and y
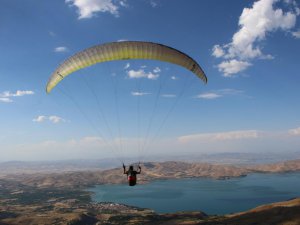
131, 174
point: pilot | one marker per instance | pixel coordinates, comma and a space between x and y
131, 174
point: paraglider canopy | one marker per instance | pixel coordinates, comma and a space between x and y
124, 50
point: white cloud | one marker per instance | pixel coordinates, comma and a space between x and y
173, 78
52, 119
228, 68
152, 76
209, 95
296, 34
18, 93
61, 49
217, 51
295, 132
254, 25
21, 93
7, 95
142, 74
56, 119
89, 8
40, 119
138, 93
124, 3
127, 66
219, 93
221, 136
6, 100
156, 70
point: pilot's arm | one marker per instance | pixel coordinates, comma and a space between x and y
139, 171
124, 168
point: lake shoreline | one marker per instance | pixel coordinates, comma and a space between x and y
242, 193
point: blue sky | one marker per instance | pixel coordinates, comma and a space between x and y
248, 49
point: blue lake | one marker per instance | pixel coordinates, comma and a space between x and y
203, 194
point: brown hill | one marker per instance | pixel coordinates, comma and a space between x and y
280, 167
150, 171
283, 213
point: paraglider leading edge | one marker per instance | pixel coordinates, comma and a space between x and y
124, 50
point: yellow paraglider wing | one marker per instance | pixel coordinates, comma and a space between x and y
123, 51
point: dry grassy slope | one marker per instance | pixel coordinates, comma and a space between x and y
281, 167
290, 203
283, 213
182, 169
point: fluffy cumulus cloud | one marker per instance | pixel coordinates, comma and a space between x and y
89, 8
218, 51
254, 24
232, 67
61, 49
7, 96
141, 73
221, 136
52, 119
